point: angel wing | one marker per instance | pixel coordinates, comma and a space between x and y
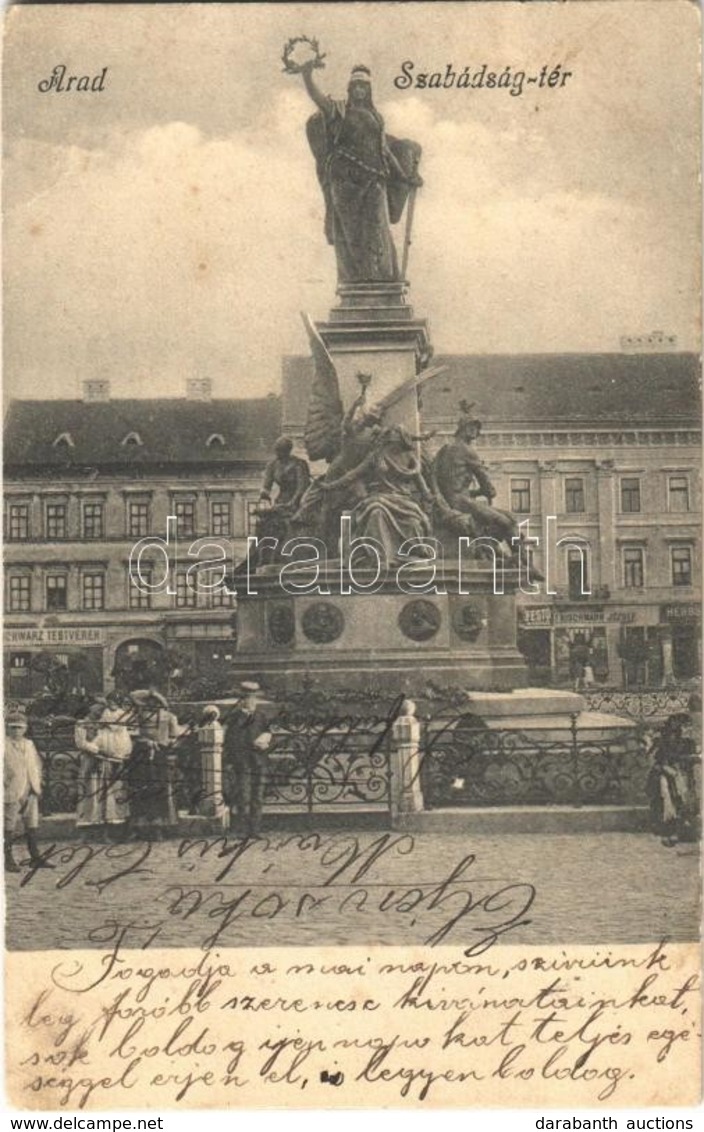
324, 420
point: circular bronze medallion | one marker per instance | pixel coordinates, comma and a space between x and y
419, 620
468, 621
282, 625
322, 623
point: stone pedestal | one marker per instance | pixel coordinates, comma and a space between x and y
212, 804
406, 793
373, 330
463, 636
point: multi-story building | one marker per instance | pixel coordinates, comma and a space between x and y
86, 480
600, 453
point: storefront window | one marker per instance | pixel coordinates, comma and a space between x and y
685, 651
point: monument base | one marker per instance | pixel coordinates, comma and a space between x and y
390, 641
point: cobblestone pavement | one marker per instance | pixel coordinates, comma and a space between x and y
347, 888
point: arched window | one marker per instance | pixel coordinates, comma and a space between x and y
132, 438
217, 439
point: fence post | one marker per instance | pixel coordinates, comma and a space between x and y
574, 743
406, 796
212, 803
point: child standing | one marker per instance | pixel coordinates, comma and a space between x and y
22, 775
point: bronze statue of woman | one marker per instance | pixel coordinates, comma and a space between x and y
365, 176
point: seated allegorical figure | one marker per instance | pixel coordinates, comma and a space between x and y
397, 501
288, 477
465, 490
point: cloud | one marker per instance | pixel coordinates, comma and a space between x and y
169, 252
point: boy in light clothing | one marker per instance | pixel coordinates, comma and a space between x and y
22, 779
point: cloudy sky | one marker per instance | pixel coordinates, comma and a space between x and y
171, 226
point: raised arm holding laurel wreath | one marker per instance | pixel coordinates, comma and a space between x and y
366, 176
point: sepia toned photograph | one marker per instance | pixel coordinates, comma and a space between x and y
352, 497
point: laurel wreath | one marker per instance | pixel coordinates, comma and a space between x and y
291, 67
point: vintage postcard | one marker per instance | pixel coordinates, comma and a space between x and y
352, 669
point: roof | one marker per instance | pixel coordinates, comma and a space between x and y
171, 431
623, 390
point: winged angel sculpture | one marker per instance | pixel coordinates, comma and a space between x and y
375, 473
382, 476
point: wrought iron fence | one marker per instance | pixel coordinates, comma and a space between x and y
315, 767
54, 737
470, 766
649, 705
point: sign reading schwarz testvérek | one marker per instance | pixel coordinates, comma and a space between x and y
54, 636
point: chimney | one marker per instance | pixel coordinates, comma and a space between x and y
96, 389
199, 389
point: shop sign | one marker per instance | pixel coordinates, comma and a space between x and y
680, 611
544, 617
540, 617
40, 638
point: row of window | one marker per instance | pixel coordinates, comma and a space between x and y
92, 590
18, 522
138, 513
93, 584
632, 568
678, 495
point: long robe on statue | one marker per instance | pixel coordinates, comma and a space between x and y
360, 170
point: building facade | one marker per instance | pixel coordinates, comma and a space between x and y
599, 454
85, 482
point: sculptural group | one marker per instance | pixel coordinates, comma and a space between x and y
381, 476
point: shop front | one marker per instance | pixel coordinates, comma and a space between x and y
621, 646
680, 628
55, 661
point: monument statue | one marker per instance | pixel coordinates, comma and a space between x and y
366, 175
463, 482
289, 477
439, 610
288, 474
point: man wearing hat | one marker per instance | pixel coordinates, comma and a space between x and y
22, 779
247, 740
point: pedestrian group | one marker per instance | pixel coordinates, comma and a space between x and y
128, 751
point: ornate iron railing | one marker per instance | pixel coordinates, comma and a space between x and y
465, 766
54, 737
314, 767
644, 705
